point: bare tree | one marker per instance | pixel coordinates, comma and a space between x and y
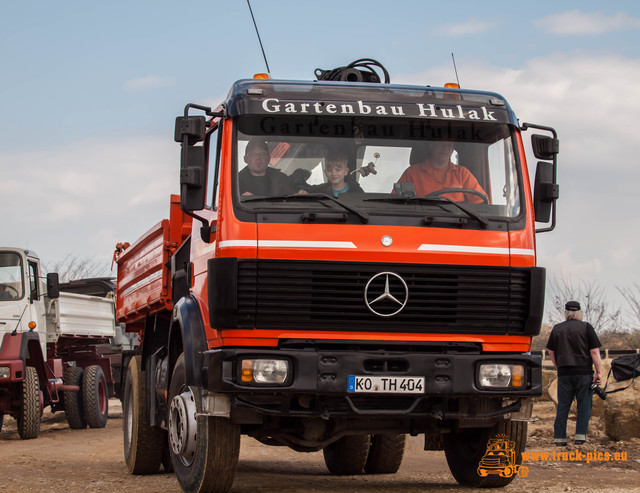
597, 309
73, 267
632, 297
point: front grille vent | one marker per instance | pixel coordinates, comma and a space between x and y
278, 294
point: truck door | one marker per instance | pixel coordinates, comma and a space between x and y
36, 303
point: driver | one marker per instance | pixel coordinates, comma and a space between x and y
5, 294
432, 170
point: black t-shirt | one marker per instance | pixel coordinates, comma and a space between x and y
274, 182
572, 342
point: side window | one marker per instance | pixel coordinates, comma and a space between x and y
213, 171
33, 280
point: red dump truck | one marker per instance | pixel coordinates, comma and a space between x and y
339, 314
55, 346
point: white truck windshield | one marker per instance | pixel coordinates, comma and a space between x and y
11, 286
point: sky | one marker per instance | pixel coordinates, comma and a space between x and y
89, 92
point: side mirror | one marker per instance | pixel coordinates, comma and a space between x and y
545, 192
192, 127
545, 147
189, 131
53, 285
193, 176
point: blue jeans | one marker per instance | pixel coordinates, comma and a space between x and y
570, 386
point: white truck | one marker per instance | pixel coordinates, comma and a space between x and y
50, 352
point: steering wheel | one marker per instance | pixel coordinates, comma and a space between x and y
437, 193
17, 295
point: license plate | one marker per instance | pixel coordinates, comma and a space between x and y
387, 385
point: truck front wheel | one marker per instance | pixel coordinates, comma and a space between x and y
142, 443
347, 455
29, 418
94, 397
464, 452
73, 408
204, 450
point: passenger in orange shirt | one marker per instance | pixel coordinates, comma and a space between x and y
432, 170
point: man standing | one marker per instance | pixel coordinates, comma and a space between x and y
574, 346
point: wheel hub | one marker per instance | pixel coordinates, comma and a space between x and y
183, 426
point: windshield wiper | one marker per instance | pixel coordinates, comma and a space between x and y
364, 217
433, 200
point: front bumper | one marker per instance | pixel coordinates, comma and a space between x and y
324, 374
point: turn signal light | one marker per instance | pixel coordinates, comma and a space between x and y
32, 325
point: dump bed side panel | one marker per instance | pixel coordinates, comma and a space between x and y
78, 315
143, 276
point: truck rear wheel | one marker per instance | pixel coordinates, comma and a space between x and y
73, 408
142, 443
347, 455
385, 454
204, 449
465, 450
29, 418
94, 397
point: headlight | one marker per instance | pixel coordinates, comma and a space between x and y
264, 371
500, 376
5, 372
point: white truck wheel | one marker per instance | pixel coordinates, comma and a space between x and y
29, 419
73, 407
94, 397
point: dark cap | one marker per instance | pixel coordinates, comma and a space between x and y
572, 306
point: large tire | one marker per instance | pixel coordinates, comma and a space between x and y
73, 407
142, 443
204, 450
385, 454
347, 455
465, 450
29, 418
94, 397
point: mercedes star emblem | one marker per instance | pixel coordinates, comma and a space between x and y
386, 294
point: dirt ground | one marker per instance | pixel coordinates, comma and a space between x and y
84, 461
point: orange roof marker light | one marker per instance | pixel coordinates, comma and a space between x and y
261, 76
452, 85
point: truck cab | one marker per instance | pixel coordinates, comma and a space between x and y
349, 263
22, 291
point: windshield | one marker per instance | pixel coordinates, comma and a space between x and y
383, 166
11, 287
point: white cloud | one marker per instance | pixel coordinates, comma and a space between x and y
472, 26
593, 103
149, 82
575, 22
122, 189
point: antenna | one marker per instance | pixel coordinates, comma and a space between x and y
258, 33
454, 67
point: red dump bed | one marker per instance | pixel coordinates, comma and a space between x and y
143, 268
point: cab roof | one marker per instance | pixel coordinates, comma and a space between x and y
339, 98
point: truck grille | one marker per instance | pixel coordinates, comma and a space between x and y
277, 294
